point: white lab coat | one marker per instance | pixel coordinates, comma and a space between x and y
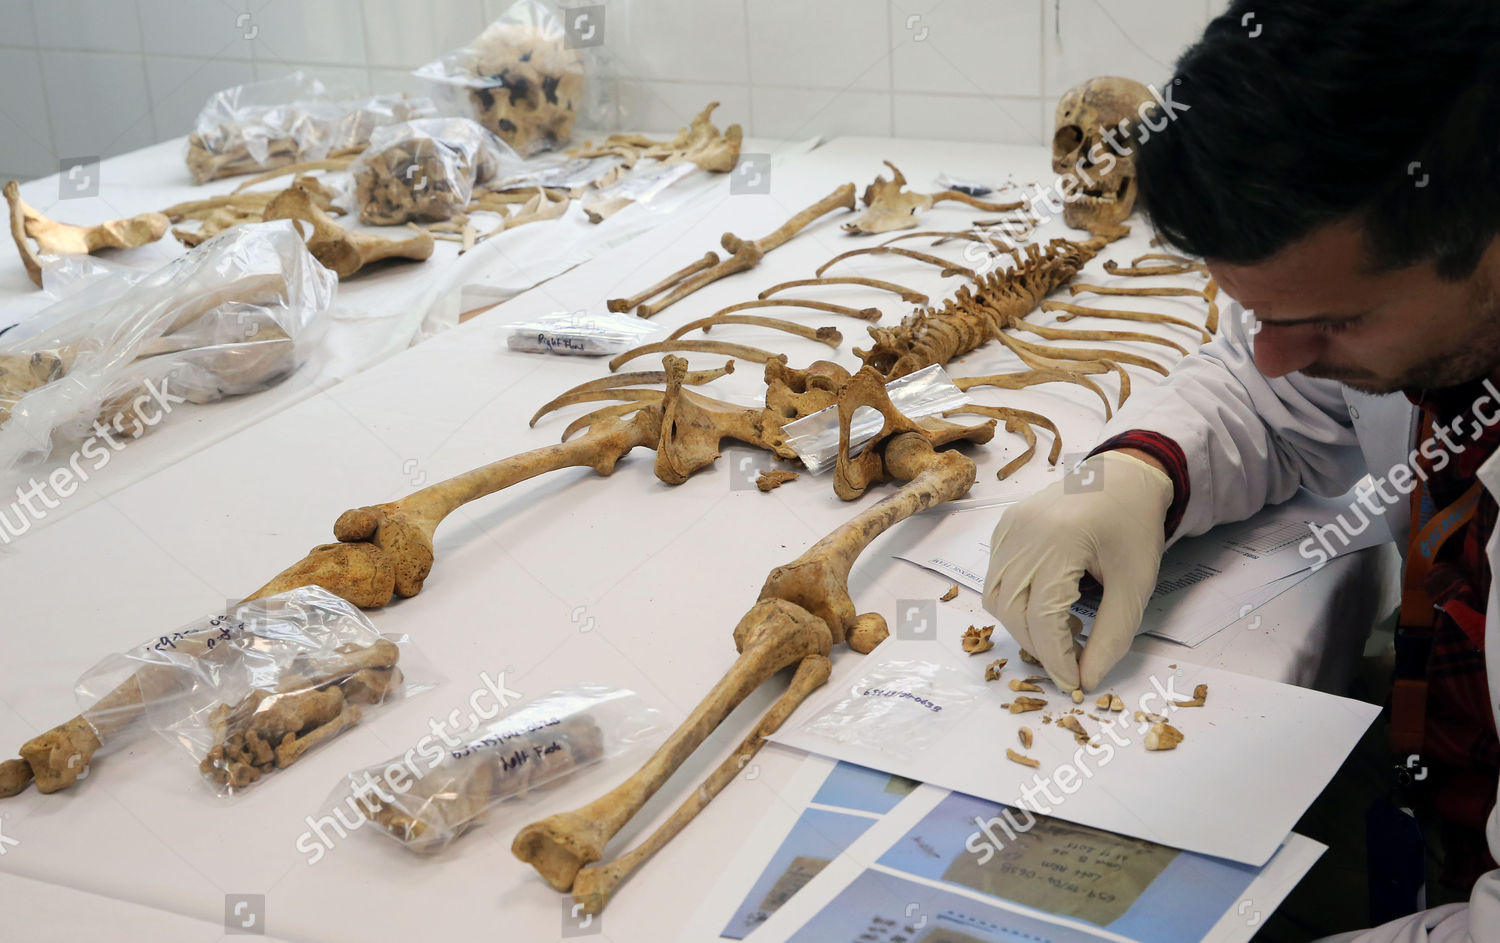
1252, 441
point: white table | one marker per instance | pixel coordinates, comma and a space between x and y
565, 578
376, 314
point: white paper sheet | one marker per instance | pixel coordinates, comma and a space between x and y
1205, 584
1255, 755
869, 887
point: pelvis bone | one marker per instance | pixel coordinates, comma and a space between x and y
339, 250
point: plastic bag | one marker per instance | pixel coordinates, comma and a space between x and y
249, 691
815, 438
557, 171
263, 125
233, 315
64, 275
899, 707
521, 78
425, 170
428, 796
580, 334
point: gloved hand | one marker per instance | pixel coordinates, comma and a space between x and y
1106, 519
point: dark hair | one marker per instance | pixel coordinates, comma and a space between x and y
1304, 112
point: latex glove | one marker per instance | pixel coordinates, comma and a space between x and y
1105, 519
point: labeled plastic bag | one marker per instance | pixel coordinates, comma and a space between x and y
251, 690
580, 334
900, 707
815, 438
428, 796
521, 78
425, 170
231, 316
263, 125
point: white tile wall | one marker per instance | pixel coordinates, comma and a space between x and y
105, 76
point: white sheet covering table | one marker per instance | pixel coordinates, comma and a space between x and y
378, 313
562, 579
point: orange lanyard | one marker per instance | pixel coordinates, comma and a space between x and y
1430, 529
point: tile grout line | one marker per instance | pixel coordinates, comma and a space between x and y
749, 70
890, 62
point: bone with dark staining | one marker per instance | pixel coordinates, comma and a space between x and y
746, 254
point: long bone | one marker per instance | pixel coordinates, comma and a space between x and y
823, 335
947, 268
1072, 311
387, 549
864, 314
1066, 334
803, 610
722, 348
907, 294
621, 305
1037, 375
596, 884
745, 254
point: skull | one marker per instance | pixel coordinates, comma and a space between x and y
534, 85
1094, 145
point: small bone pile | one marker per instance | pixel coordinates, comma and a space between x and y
415, 180
270, 730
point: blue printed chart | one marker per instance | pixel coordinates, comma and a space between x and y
905, 863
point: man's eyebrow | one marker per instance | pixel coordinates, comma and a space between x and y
1317, 319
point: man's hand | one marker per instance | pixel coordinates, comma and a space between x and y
1105, 519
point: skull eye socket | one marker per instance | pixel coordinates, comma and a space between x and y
1069, 138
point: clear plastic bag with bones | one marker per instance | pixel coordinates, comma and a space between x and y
263, 125
428, 796
233, 315
425, 170
250, 690
523, 77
